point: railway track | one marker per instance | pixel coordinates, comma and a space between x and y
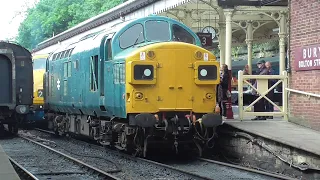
42, 162
21, 171
128, 167
201, 168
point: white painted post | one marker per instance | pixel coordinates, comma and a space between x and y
228, 14
222, 44
282, 47
249, 45
285, 96
240, 94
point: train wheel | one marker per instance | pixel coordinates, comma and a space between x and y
13, 128
2, 131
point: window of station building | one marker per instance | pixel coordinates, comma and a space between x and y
157, 31
181, 35
133, 35
94, 72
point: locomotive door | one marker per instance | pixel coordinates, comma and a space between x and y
184, 76
119, 86
167, 83
5, 80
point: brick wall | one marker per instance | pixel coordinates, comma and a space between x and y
305, 30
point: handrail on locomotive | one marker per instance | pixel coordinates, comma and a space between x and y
262, 91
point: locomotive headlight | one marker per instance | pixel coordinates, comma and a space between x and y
22, 109
203, 72
147, 72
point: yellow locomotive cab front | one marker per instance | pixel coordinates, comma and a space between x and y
171, 76
39, 62
38, 87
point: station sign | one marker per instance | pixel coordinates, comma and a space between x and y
205, 38
307, 58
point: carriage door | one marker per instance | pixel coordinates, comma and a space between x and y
5, 80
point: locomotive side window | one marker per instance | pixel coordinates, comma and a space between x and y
109, 49
119, 73
69, 68
132, 36
94, 72
65, 69
180, 34
157, 31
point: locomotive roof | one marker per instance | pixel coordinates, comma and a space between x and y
93, 40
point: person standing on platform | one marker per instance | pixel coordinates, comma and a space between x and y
246, 70
270, 95
223, 90
260, 105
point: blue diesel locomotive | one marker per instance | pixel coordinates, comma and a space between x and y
139, 82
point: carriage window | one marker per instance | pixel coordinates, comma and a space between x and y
157, 31
182, 35
133, 35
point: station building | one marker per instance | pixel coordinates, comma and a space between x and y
304, 38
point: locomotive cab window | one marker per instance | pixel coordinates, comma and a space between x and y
39, 64
181, 35
132, 36
157, 31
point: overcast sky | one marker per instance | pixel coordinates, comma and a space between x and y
11, 17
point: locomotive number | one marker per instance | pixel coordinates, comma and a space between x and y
40, 93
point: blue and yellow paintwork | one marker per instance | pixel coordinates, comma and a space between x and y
112, 83
177, 92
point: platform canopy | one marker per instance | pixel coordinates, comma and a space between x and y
236, 22
208, 16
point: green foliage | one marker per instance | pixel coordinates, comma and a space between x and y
53, 17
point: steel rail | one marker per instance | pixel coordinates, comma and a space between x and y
201, 159
107, 175
248, 169
142, 159
23, 171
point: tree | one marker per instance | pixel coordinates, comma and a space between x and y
53, 17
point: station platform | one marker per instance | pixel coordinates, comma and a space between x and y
7, 171
281, 131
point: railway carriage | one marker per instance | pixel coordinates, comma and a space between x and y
16, 84
141, 81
